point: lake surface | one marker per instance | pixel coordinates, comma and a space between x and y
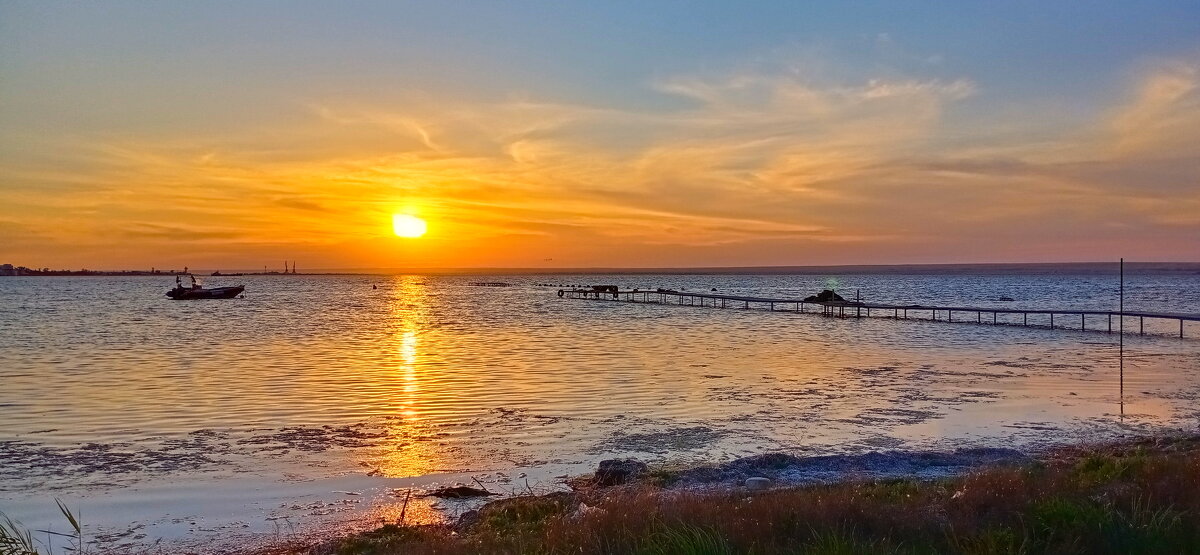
313, 399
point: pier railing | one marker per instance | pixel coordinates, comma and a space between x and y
851, 309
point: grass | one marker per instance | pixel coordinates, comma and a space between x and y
1133, 497
16, 539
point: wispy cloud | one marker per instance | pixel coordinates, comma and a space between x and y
755, 166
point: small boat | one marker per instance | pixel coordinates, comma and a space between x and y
196, 291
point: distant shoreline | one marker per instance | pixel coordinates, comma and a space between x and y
1080, 268
142, 273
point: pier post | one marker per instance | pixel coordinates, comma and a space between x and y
1110, 323
1026, 318
1083, 321
978, 317
1181, 328
993, 318
949, 315
1051, 320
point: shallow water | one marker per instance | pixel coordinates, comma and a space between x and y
313, 397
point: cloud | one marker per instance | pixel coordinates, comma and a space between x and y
1164, 115
777, 165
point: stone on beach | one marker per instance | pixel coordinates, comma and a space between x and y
618, 471
757, 483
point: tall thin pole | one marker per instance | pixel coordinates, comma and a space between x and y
1121, 351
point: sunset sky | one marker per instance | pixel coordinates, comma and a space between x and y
588, 134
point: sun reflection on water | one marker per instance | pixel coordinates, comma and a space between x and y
416, 446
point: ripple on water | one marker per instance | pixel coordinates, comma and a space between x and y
106, 384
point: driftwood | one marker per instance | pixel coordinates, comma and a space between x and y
458, 492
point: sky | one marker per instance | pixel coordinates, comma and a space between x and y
565, 134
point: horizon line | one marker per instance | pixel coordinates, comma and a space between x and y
660, 269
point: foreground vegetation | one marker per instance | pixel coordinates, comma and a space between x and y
1133, 497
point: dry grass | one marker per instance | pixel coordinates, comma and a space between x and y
1136, 497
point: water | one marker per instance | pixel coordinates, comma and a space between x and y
311, 399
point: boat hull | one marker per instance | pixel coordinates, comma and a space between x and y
183, 294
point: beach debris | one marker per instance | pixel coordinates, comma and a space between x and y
757, 483
404, 509
618, 471
661, 441
825, 296
586, 511
458, 492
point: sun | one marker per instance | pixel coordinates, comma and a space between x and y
408, 226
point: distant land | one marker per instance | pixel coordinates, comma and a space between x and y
11, 270
1075, 268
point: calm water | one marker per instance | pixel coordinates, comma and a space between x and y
314, 396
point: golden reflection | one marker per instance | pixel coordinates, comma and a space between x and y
415, 445
408, 358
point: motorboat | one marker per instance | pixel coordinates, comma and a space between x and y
198, 291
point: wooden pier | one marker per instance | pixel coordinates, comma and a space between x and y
851, 309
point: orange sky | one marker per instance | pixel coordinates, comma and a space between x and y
782, 158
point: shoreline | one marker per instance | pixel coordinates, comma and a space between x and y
970, 268
1108, 481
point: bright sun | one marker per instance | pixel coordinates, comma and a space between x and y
408, 226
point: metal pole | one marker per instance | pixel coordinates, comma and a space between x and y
1121, 355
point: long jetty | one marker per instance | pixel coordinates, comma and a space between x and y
857, 309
